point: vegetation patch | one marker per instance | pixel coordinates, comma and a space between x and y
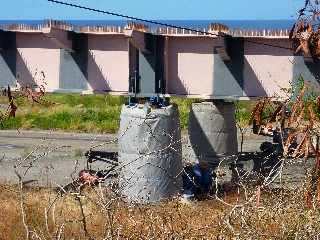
87, 113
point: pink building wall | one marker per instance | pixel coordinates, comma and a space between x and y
108, 63
108, 60
189, 65
268, 69
193, 67
194, 70
36, 54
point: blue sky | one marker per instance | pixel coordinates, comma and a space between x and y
154, 9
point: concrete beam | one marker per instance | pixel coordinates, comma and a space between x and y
59, 37
221, 49
2, 37
137, 39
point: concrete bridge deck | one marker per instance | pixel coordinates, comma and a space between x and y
222, 64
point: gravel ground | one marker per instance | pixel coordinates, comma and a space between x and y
58, 157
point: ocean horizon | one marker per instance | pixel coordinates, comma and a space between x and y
197, 24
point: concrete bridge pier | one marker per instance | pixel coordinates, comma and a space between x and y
150, 159
212, 131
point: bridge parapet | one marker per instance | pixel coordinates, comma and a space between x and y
261, 33
48, 25
101, 30
212, 30
137, 26
21, 27
181, 32
58, 25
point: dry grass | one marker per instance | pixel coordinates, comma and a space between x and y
281, 215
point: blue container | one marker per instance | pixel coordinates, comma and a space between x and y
197, 181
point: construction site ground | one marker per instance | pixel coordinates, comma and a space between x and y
55, 158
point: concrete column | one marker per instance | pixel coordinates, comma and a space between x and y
212, 131
8, 59
150, 158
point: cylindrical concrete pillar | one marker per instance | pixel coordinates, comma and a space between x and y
150, 153
212, 131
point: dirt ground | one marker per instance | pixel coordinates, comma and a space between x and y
60, 156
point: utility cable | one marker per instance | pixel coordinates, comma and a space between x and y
156, 22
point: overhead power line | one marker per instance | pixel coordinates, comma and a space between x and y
155, 22
131, 17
